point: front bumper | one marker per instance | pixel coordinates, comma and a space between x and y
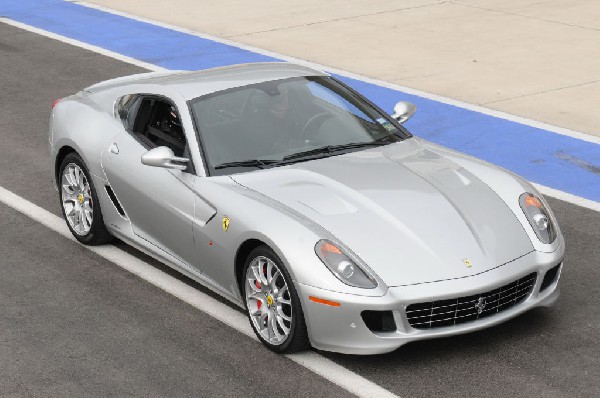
342, 329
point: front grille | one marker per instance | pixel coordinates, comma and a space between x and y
440, 313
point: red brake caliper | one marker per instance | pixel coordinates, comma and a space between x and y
258, 303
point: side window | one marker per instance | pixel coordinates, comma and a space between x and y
157, 123
125, 109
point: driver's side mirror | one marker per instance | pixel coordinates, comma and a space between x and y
163, 156
403, 111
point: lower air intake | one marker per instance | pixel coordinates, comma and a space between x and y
379, 321
550, 277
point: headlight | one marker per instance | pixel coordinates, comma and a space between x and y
342, 266
539, 217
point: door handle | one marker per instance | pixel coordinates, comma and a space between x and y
114, 149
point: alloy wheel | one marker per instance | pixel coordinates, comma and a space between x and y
76, 198
268, 300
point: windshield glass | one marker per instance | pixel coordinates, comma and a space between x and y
286, 121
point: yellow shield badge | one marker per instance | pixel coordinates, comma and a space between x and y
225, 223
467, 262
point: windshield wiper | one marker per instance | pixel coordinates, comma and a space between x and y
333, 148
260, 163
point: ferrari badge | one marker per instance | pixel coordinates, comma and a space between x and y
225, 223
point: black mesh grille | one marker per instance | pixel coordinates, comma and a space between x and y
435, 314
379, 321
550, 277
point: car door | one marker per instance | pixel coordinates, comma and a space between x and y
159, 202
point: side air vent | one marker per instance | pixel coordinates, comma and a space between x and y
115, 201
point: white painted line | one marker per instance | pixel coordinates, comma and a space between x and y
567, 197
86, 46
408, 90
318, 364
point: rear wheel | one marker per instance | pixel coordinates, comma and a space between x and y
272, 303
79, 202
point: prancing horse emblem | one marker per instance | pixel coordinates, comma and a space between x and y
480, 305
225, 223
467, 262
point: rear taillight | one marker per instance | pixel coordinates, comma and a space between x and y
56, 101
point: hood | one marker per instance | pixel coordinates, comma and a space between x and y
410, 214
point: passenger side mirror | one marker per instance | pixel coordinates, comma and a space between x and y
403, 111
163, 156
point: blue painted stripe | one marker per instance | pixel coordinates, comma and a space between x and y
544, 157
146, 42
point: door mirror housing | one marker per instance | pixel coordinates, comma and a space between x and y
403, 111
163, 156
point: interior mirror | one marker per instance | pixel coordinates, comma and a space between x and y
403, 111
163, 156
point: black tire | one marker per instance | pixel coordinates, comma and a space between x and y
297, 339
98, 234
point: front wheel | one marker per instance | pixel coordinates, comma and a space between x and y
79, 202
272, 303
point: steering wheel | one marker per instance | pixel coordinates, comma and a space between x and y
313, 123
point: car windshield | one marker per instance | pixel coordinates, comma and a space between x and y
287, 121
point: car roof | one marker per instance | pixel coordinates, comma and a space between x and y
193, 84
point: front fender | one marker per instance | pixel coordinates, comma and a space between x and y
291, 235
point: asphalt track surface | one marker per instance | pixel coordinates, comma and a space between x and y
74, 324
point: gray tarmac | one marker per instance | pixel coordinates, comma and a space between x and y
74, 324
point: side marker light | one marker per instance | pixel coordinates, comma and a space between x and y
323, 301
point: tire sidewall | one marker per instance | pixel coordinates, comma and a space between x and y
297, 314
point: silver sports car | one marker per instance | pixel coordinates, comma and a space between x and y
290, 194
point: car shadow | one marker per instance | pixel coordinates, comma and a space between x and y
171, 272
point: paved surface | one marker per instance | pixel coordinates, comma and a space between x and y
532, 58
74, 324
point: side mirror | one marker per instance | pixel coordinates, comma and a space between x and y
403, 111
163, 156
